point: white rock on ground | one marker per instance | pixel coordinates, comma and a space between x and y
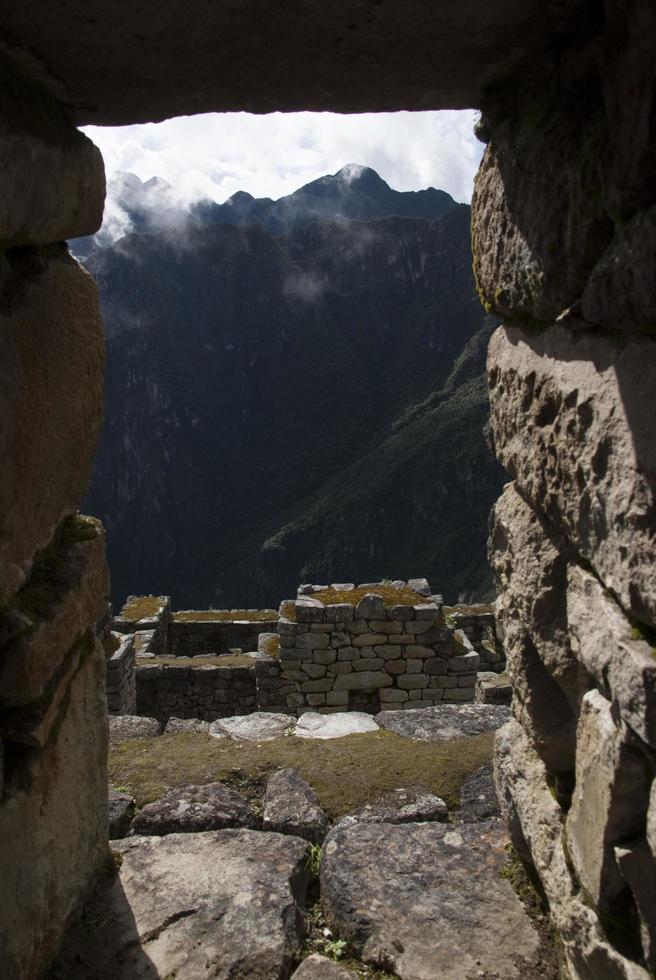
261, 726
313, 725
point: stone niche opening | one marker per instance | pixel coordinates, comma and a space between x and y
367, 701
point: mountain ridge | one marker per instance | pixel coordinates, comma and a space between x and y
353, 192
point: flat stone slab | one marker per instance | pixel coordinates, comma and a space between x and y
412, 804
445, 722
121, 811
191, 809
311, 724
317, 967
175, 726
221, 904
478, 797
124, 727
292, 807
261, 726
493, 688
425, 900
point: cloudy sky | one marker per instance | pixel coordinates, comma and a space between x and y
212, 156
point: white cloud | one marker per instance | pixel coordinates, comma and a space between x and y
212, 156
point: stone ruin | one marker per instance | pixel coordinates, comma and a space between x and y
402, 651
563, 229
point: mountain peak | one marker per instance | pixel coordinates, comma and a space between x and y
356, 172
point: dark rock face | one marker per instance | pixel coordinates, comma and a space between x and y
445, 722
292, 807
219, 904
310, 391
426, 900
191, 809
167, 62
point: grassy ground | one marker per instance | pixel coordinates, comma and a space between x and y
344, 772
227, 660
392, 596
474, 609
225, 615
143, 607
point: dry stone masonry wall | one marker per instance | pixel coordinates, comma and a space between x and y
478, 622
148, 615
370, 654
364, 655
121, 675
564, 219
207, 692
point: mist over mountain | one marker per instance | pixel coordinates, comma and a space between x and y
294, 392
353, 192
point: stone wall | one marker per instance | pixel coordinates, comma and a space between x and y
564, 226
478, 623
53, 575
147, 614
191, 637
368, 656
121, 675
207, 692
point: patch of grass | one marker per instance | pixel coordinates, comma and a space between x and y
526, 885
392, 596
475, 609
271, 646
314, 860
321, 939
344, 772
227, 660
646, 634
224, 615
143, 607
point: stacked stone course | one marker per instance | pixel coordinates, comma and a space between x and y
156, 623
121, 676
360, 656
478, 622
369, 655
207, 692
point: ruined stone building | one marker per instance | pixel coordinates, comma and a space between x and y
564, 239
